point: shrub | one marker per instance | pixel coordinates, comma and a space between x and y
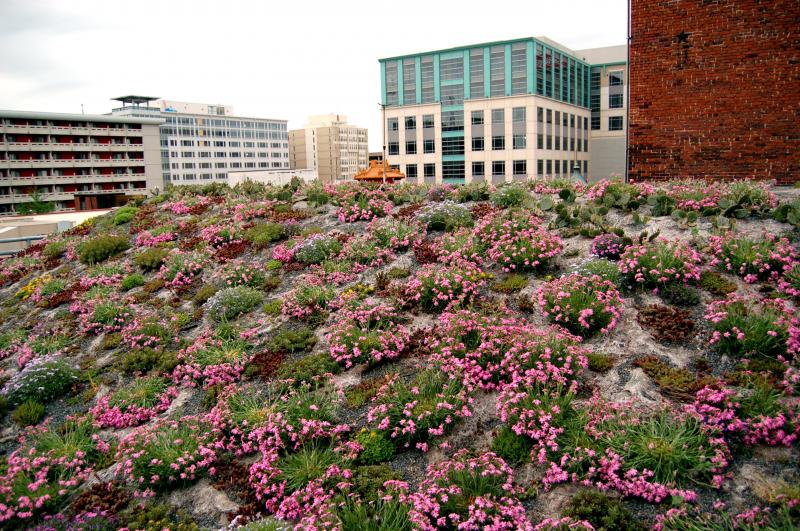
316, 249
657, 264
54, 249
513, 448
473, 191
230, 303
28, 413
525, 250
511, 283
609, 245
132, 281
42, 379
293, 340
368, 334
263, 234
308, 369
376, 447
426, 407
102, 247
468, 493
752, 259
716, 284
665, 323
396, 234
509, 195
583, 305
436, 287
750, 327
125, 214
446, 216
150, 259
603, 512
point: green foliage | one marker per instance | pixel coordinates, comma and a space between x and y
266, 524
309, 368
124, 214
398, 272
744, 198
357, 396
293, 340
472, 192
273, 307
587, 220
661, 204
102, 247
764, 329
447, 216
42, 381
54, 249
680, 295
205, 292
676, 383
685, 219
147, 359
509, 195
132, 281
788, 213
307, 464
600, 510
28, 413
150, 259
263, 234
513, 448
620, 195
230, 303
605, 269
511, 283
780, 520
716, 284
316, 194
379, 515
317, 249
57, 285
377, 447
600, 361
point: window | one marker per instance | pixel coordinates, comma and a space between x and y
428, 146
451, 69
411, 147
477, 117
498, 116
615, 101
409, 81
520, 167
595, 122
411, 171
427, 121
518, 114
540, 167
497, 71
453, 169
452, 94
391, 83
477, 143
426, 75
391, 124
430, 170
615, 78
498, 168
519, 68
453, 121
549, 115
520, 141
453, 145
476, 80
478, 169
394, 148
615, 123
539, 128
498, 143
411, 123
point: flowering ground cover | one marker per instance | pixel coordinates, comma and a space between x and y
541, 355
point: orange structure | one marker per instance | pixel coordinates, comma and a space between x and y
375, 173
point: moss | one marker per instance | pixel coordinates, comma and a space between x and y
357, 396
716, 284
147, 359
600, 361
603, 512
111, 341
293, 340
368, 480
263, 234
377, 447
309, 368
510, 283
132, 281
273, 307
680, 295
515, 449
676, 383
158, 516
398, 272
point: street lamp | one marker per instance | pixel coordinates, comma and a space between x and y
576, 173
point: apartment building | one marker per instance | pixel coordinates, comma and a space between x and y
76, 161
497, 112
202, 142
329, 145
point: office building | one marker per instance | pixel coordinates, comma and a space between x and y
330, 146
76, 161
501, 111
201, 142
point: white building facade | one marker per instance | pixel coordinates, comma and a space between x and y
329, 145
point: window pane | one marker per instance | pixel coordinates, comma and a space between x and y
450, 69
477, 117
498, 116
477, 143
519, 68
427, 121
478, 169
476, 80
497, 69
391, 83
453, 146
409, 82
426, 76
498, 143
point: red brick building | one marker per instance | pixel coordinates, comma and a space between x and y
714, 89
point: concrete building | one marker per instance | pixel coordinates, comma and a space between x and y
76, 161
202, 142
274, 177
501, 111
329, 145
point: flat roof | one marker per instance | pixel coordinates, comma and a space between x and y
135, 99
36, 115
542, 40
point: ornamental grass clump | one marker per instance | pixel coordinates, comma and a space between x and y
230, 303
436, 287
584, 305
316, 249
135, 404
415, 412
444, 216
526, 250
657, 264
745, 327
308, 301
43, 379
211, 361
167, 453
753, 259
468, 493
369, 334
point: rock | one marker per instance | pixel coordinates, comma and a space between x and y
203, 500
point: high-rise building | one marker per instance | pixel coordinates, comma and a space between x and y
202, 142
329, 145
501, 111
76, 161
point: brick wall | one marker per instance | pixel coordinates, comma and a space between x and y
715, 89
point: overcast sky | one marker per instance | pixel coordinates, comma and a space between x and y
275, 59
